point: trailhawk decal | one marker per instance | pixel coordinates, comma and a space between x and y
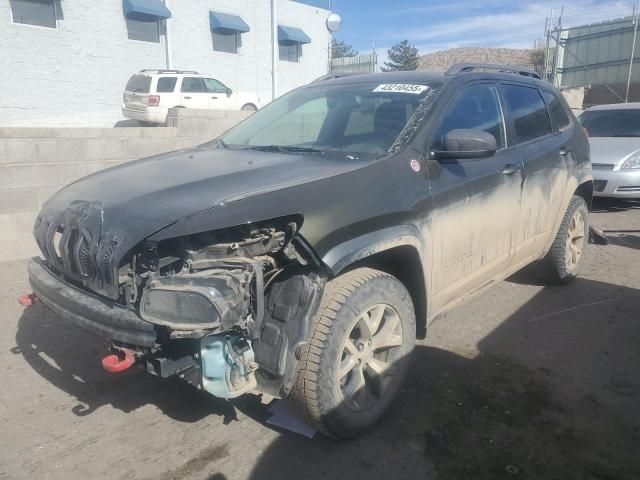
401, 88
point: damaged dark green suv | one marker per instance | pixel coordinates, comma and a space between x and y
302, 253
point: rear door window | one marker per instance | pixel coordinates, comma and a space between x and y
528, 112
139, 84
166, 84
193, 85
559, 116
477, 108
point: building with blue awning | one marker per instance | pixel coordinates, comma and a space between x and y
84, 52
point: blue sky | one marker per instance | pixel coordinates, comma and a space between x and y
433, 26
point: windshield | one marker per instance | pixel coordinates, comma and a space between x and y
363, 117
611, 123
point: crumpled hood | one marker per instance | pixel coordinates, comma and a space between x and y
612, 150
141, 197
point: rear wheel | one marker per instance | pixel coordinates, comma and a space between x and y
563, 261
249, 107
357, 355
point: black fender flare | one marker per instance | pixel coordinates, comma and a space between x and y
358, 248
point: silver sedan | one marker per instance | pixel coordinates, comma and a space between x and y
614, 137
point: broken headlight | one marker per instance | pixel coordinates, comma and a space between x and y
189, 309
203, 300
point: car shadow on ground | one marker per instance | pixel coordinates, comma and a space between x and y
553, 395
603, 204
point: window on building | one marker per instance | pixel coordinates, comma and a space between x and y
559, 116
145, 28
528, 111
193, 85
290, 52
226, 40
166, 84
476, 108
41, 13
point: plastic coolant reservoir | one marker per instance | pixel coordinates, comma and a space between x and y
227, 365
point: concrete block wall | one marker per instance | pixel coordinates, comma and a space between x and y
75, 74
36, 162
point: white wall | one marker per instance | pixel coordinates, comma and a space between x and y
74, 75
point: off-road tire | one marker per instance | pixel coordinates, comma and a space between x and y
553, 267
317, 395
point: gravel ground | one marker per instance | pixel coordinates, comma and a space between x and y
524, 381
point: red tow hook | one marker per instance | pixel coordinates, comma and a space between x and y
27, 299
116, 364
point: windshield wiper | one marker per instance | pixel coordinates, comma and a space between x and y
284, 148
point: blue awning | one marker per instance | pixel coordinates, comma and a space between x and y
292, 35
224, 21
154, 8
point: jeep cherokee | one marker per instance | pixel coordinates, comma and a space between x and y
303, 252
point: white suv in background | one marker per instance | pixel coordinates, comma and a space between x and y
150, 94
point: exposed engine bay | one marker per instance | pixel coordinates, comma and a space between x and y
231, 308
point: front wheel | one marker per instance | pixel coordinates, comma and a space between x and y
249, 107
357, 355
563, 261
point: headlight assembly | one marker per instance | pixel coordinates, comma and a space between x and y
632, 162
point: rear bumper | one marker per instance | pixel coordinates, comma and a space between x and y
100, 316
619, 183
150, 114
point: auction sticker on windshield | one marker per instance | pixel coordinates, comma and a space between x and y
401, 88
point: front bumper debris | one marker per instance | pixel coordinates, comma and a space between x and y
100, 316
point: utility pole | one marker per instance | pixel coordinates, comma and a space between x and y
167, 40
633, 49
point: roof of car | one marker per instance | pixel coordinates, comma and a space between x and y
427, 77
615, 106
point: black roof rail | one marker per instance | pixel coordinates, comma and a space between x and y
470, 67
159, 70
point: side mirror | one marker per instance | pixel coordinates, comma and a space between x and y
229, 92
463, 144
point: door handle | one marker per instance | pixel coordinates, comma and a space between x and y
187, 98
565, 150
512, 168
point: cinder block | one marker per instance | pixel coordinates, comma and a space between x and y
24, 223
159, 131
17, 151
122, 132
80, 150
113, 149
28, 176
14, 201
26, 132
70, 172
78, 132
8, 226
44, 193
46, 151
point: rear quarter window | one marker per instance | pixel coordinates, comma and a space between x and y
528, 112
139, 83
559, 117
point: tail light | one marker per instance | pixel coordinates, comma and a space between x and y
153, 100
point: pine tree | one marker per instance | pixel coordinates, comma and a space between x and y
342, 49
402, 57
